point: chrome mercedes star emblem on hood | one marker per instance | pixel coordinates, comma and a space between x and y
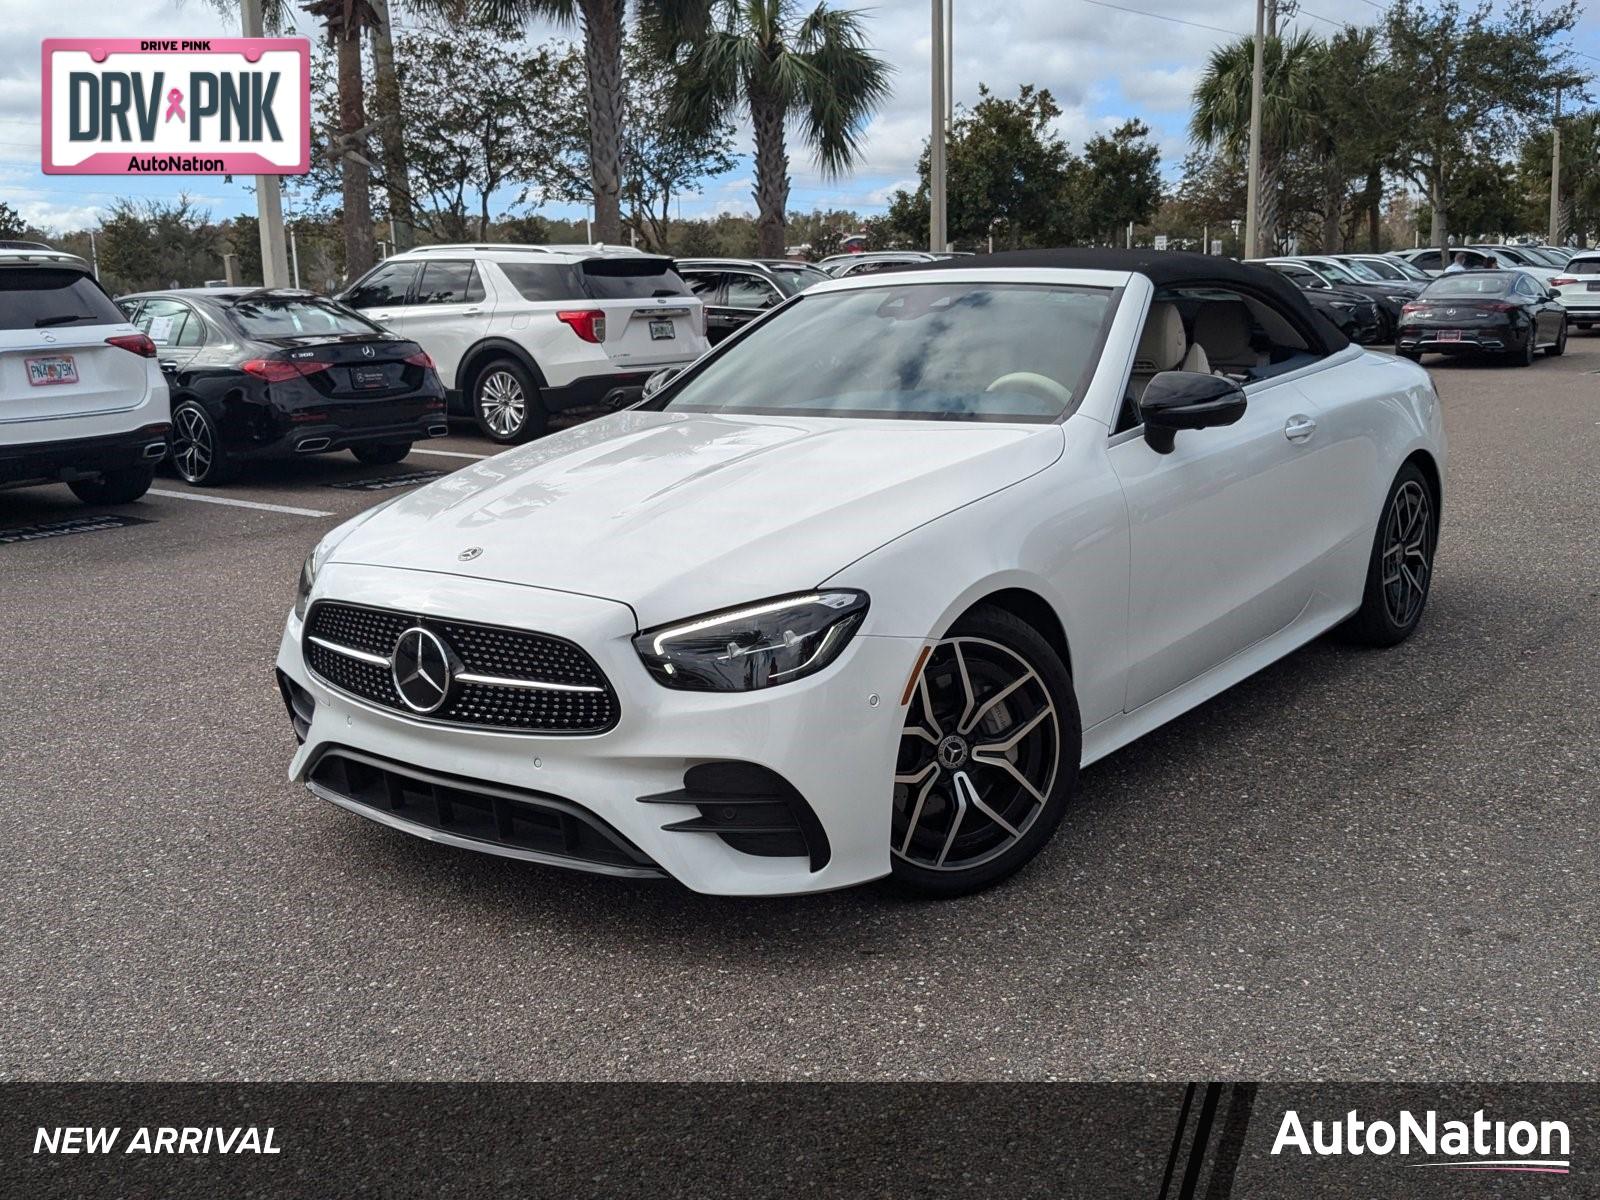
470, 553
421, 669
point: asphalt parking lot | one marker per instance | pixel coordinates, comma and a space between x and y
1357, 865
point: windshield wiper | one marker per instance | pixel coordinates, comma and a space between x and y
62, 320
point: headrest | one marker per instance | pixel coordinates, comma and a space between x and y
1163, 342
1223, 328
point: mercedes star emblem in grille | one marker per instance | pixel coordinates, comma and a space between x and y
422, 670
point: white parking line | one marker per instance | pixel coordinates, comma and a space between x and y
449, 453
278, 508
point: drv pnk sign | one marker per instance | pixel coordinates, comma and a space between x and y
170, 106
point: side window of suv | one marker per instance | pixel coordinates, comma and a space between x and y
448, 283
543, 280
384, 286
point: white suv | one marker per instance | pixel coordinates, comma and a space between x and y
1578, 289
82, 399
520, 332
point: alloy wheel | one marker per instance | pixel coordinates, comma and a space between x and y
1407, 553
193, 450
978, 756
502, 402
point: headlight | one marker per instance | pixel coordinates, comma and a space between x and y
759, 646
1342, 306
308, 576
329, 543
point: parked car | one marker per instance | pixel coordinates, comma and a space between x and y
736, 291
1388, 295
1354, 314
1578, 289
1523, 258
521, 332
82, 401
1426, 259
1387, 267
261, 373
756, 636
1507, 313
833, 262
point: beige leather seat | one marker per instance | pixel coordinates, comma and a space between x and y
1164, 346
1222, 327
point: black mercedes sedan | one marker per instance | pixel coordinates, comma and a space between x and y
275, 373
1509, 313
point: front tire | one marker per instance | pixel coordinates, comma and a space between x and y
988, 759
122, 486
197, 454
506, 403
1400, 569
381, 454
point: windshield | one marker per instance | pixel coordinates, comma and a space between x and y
1410, 270
271, 317
1470, 283
930, 351
794, 280
1333, 272
1366, 272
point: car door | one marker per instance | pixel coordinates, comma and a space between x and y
448, 312
747, 296
382, 292
175, 328
1229, 535
708, 286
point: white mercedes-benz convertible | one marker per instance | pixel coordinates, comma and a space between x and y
858, 592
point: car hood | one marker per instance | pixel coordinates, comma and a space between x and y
676, 514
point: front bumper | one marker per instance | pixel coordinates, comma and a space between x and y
81, 458
832, 737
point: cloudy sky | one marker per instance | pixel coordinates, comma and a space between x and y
1102, 62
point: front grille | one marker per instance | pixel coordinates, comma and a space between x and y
483, 650
538, 826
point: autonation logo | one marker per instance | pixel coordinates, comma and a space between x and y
1476, 1145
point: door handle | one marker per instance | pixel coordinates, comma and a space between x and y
1299, 428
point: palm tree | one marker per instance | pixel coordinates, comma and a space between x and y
601, 22
764, 59
346, 21
1222, 108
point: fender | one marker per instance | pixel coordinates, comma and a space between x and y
494, 347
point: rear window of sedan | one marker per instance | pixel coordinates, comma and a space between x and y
275, 318
53, 298
928, 351
1471, 283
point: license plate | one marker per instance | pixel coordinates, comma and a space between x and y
1594, 285
369, 377
58, 368
1447, 335
662, 331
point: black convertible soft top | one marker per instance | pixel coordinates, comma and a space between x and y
1170, 268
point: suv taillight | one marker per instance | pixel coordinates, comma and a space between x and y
277, 370
589, 323
1564, 281
134, 343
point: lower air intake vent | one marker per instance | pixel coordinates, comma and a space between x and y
751, 808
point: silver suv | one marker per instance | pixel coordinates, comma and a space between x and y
520, 332
82, 398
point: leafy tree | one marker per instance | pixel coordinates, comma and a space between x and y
1473, 82
1580, 176
11, 223
1121, 178
764, 59
156, 244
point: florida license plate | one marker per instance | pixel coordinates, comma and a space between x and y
1447, 335
662, 331
58, 368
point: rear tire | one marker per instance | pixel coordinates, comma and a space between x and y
122, 486
1560, 347
381, 454
197, 454
988, 760
1400, 568
506, 402
1529, 350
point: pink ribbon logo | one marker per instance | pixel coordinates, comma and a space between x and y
175, 105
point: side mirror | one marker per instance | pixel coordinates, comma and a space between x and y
1176, 400
1550, 293
660, 380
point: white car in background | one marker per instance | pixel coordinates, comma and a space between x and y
82, 398
861, 590
521, 332
1578, 289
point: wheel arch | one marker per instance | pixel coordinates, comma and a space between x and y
1425, 462
484, 351
1033, 609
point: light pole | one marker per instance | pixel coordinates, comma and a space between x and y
936, 166
1555, 175
1252, 225
269, 196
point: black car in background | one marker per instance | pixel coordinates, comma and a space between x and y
259, 373
1507, 313
736, 291
1360, 317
